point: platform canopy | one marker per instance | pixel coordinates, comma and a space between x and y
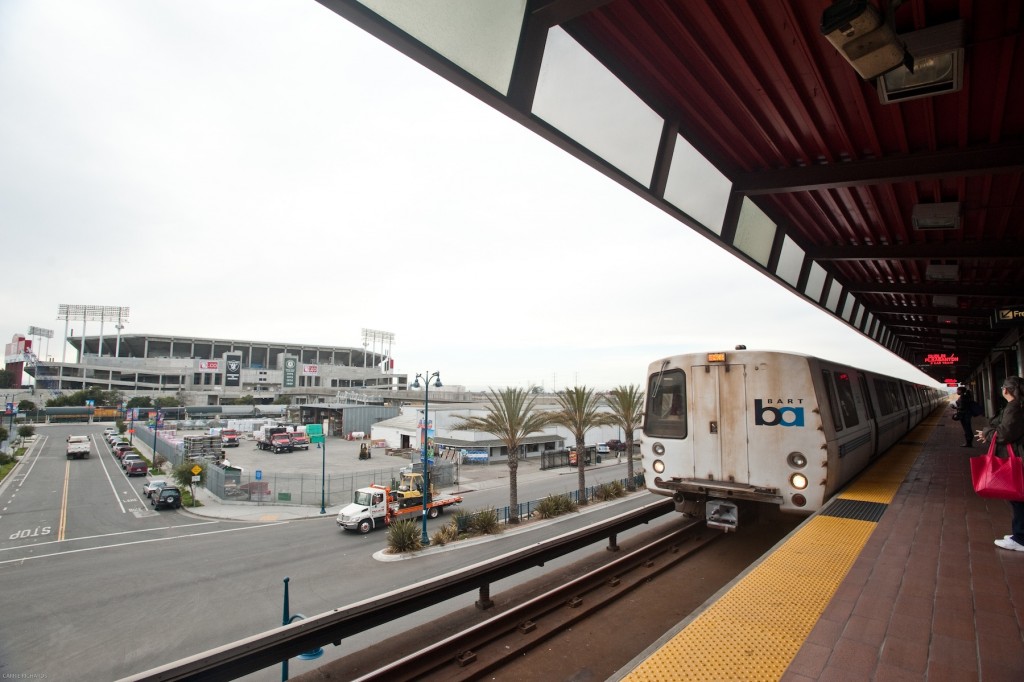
789, 132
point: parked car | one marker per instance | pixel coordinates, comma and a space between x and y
153, 486
136, 468
603, 448
616, 445
120, 448
128, 458
109, 431
168, 496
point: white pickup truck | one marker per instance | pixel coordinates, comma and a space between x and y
79, 447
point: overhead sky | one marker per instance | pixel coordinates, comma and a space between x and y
264, 170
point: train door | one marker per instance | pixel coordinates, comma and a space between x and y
719, 423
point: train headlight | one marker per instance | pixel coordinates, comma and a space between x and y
798, 481
658, 466
658, 449
797, 460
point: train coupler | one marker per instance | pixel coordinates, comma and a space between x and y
722, 515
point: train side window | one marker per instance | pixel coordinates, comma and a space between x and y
847, 404
665, 416
869, 406
886, 399
830, 392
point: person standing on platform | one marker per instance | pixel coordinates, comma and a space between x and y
1007, 428
964, 407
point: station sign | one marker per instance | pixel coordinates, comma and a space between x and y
1010, 316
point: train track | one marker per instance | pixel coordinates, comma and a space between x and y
489, 645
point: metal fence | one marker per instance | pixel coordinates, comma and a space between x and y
526, 509
308, 489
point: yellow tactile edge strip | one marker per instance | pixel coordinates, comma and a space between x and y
756, 628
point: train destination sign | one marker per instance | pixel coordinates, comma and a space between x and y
941, 359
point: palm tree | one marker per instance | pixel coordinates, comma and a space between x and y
510, 417
627, 404
579, 413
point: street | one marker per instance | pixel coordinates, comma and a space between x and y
98, 586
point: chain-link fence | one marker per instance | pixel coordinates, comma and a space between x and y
309, 489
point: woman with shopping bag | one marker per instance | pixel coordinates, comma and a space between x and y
1004, 434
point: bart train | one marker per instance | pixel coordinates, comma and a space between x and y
724, 430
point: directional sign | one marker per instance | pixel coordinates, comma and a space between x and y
196, 470
1008, 317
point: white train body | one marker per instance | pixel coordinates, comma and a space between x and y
727, 428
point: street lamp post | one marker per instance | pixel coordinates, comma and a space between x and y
425, 540
156, 427
323, 475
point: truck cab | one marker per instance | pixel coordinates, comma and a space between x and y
229, 438
369, 508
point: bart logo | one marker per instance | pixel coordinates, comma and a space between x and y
765, 415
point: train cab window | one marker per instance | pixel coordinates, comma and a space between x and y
830, 392
847, 404
666, 405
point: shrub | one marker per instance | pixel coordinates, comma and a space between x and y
447, 533
485, 522
462, 519
555, 505
404, 536
5, 458
610, 491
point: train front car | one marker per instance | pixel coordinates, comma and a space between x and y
726, 429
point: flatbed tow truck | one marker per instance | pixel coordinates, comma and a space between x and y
379, 505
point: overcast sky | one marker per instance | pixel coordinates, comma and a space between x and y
264, 170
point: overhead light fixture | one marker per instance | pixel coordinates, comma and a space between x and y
941, 216
938, 64
944, 301
937, 271
863, 38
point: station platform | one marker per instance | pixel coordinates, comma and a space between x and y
897, 578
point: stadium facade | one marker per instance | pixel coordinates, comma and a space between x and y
208, 371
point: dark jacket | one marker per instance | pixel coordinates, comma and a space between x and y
1007, 427
963, 406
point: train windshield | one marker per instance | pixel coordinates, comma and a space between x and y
666, 405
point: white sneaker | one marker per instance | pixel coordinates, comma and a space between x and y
1010, 543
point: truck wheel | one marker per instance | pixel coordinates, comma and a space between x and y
433, 512
365, 526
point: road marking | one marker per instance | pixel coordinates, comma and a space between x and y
135, 542
64, 503
110, 535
